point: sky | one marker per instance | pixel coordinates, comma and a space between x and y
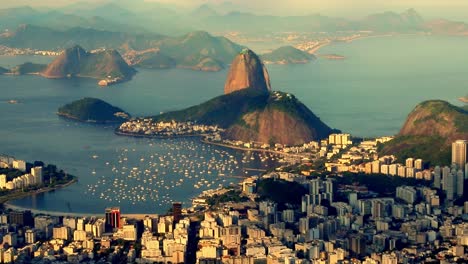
453, 9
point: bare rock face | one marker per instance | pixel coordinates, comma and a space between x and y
76, 62
282, 119
68, 63
247, 71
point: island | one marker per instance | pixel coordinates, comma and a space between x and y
287, 55
106, 65
92, 110
19, 178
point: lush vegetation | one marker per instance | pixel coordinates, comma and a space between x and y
280, 191
289, 104
227, 110
431, 149
91, 110
439, 107
223, 110
51, 178
287, 54
230, 196
27, 68
428, 133
380, 183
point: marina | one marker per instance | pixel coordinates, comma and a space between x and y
137, 178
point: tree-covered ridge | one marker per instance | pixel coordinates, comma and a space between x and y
92, 110
223, 110
286, 55
438, 108
428, 132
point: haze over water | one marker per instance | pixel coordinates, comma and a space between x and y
367, 94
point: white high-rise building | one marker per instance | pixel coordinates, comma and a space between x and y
37, 173
418, 164
410, 162
20, 165
459, 153
3, 181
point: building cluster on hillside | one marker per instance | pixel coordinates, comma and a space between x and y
33, 178
148, 127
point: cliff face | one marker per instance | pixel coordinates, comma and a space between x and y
68, 63
247, 71
77, 62
283, 119
271, 125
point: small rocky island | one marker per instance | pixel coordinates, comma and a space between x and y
93, 110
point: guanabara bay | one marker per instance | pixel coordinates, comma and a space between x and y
234, 132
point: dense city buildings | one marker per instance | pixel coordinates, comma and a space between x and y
311, 216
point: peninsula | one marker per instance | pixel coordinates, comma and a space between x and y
19, 178
248, 111
93, 110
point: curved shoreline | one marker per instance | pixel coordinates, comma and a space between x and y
17, 195
120, 133
251, 149
70, 117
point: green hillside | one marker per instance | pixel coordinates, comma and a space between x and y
92, 110
287, 55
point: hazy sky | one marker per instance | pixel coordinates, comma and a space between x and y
454, 9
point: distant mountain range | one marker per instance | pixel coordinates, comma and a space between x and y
150, 17
429, 131
197, 50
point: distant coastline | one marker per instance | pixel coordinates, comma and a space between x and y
138, 135
70, 117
